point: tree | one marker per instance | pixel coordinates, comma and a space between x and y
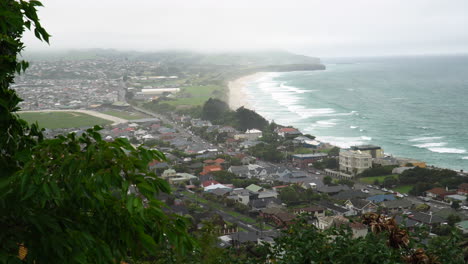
63, 199
455, 205
214, 109
327, 180
289, 195
452, 219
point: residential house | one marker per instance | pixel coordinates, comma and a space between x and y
213, 187
280, 217
360, 206
332, 189
381, 198
211, 168
397, 206
304, 160
180, 177
259, 204
463, 189
336, 209
455, 197
254, 188
249, 143
438, 193
406, 222
426, 219
288, 132
317, 211
240, 195
267, 194
358, 229
240, 171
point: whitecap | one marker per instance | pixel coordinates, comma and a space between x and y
366, 138
465, 158
431, 145
342, 142
424, 139
448, 150
350, 89
353, 127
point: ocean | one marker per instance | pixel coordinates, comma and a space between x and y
415, 107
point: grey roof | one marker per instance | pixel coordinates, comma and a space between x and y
220, 191
332, 207
350, 194
406, 222
359, 203
333, 188
310, 156
400, 203
426, 218
298, 174
239, 170
262, 203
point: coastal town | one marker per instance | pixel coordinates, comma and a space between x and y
249, 178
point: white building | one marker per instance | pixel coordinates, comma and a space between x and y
354, 162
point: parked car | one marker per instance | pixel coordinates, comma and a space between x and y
384, 189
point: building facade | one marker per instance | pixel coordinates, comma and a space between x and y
354, 162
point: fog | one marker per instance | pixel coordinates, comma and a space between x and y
321, 28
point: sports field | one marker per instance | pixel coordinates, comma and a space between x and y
125, 114
63, 119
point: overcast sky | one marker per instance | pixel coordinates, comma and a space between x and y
324, 28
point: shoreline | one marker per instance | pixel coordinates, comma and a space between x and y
237, 97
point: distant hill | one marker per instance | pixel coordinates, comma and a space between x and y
251, 59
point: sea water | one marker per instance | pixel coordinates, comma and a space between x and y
415, 107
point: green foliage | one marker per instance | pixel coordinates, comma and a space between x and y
327, 180
295, 195
266, 152
350, 183
214, 109
72, 199
424, 179
390, 181
377, 171
73, 193
453, 219
249, 119
329, 163
455, 205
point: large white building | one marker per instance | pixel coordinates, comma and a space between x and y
354, 162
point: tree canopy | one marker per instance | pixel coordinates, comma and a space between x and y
72, 199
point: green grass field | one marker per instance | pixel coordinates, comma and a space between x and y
125, 115
63, 119
198, 95
403, 188
370, 180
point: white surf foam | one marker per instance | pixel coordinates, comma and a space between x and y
465, 158
344, 142
448, 150
353, 127
431, 145
424, 139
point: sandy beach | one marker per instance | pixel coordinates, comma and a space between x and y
237, 97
